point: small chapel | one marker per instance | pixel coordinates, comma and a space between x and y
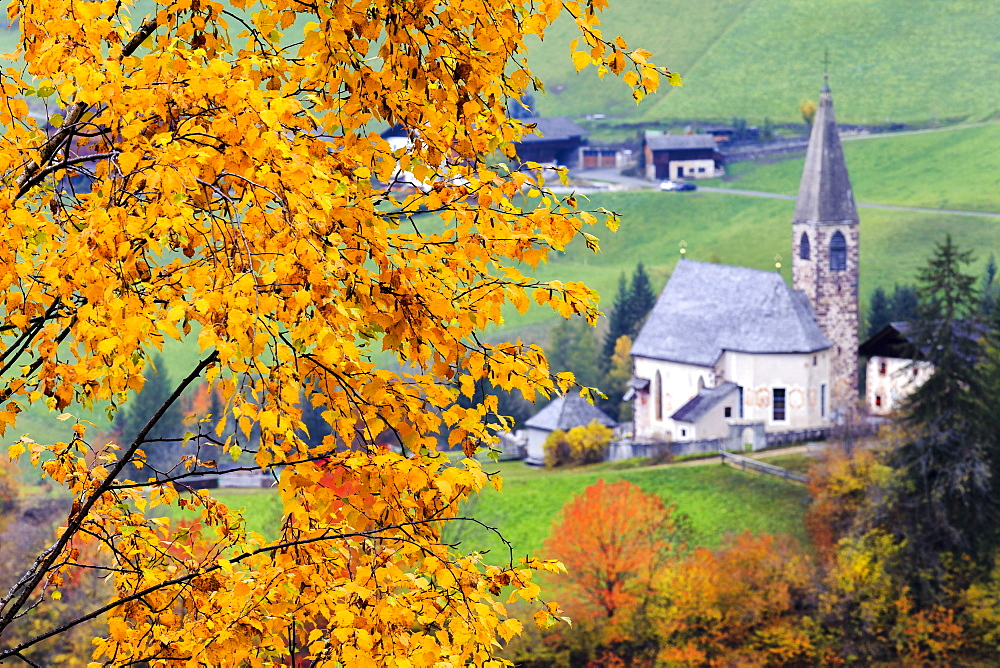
728, 346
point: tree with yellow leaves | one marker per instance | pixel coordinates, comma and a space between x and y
240, 195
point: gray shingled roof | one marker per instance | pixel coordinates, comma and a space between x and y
552, 129
825, 194
673, 142
567, 412
707, 308
706, 399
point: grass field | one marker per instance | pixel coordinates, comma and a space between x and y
912, 61
718, 499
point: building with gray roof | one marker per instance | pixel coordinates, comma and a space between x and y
563, 413
721, 337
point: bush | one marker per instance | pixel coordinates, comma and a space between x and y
578, 446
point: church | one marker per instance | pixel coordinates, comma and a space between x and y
729, 346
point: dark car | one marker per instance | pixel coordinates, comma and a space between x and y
677, 186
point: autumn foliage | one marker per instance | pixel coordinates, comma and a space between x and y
614, 540
211, 172
577, 446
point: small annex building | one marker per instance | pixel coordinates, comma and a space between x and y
562, 413
726, 343
681, 157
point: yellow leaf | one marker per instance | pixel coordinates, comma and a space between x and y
581, 59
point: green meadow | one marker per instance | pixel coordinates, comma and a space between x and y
910, 61
719, 501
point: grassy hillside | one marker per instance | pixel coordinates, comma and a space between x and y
946, 169
913, 61
718, 499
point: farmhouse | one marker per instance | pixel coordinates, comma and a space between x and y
681, 156
729, 346
563, 413
556, 141
893, 371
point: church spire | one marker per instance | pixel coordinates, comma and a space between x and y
825, 194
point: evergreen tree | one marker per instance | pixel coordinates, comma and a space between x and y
945, 503
990, 289
162, 446
618, 324
879, 312
904, 303
641, 299
573, 348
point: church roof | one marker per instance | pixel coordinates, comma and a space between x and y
708, 308
825, 194
566, 412
706, 399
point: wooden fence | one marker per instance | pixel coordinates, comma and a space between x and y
758, 466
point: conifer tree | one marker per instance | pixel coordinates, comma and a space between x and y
641, 299
904, 303
879, 312
945, 502
618, 324
164, 440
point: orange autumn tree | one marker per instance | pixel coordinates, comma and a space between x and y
212, 172
615, 541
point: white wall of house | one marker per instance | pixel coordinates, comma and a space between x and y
536, 442
802, 379
713, 424
693, 169
890, 380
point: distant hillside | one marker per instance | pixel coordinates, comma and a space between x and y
910, 61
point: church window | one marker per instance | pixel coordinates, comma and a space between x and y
684, 432
728, 411
778, 401
804, 246
882, 368
822, 400
659, 396
838, 252
815, 359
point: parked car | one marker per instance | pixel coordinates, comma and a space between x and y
678, 186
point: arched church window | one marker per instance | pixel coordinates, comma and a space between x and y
659, 396
838, 252
804, 246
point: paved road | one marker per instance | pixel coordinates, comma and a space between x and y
619, 182
864, 205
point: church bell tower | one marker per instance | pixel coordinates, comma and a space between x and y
825, 249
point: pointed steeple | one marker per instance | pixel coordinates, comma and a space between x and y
825, 194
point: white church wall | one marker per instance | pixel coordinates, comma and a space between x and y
680, 382
804, 377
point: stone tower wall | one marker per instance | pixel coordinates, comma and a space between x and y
834, 297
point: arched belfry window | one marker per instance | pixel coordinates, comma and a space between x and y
659, 396
804, 246
838, 252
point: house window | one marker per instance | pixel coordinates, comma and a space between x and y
701, 170
778, 402
815, 357
822, 400
882, 368
838, 252
728, 410
684, 432
804, 246
878, 399
659, 396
